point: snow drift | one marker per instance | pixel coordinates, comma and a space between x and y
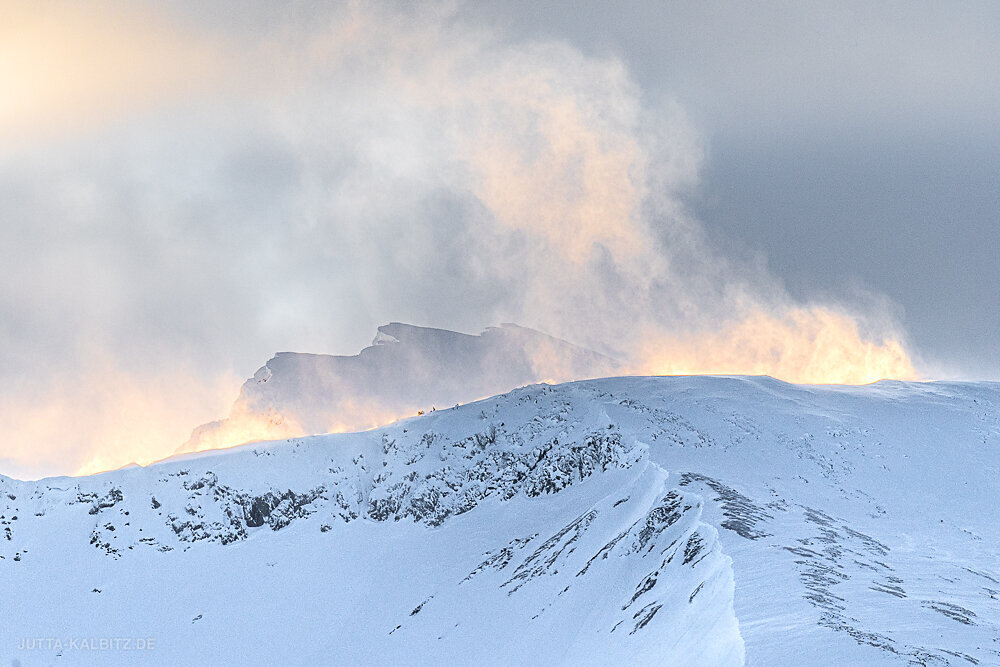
676, 521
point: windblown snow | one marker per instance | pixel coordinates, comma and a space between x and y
671, 521
406, 369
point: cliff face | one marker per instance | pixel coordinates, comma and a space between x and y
406, 369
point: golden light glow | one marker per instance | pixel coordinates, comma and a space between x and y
65, 66
242, 427
104, 418
124, 420
246, 428
805, 345
548, 142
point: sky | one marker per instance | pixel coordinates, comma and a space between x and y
806, 190
855, 145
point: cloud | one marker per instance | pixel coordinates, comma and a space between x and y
66, 67
372, 164
104, 417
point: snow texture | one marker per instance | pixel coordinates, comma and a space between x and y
672, 521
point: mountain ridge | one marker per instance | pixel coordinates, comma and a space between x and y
406, 369
743, 515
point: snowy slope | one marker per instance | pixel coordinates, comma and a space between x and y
406, 369
676, 521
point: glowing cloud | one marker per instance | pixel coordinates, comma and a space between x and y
67, 66
437, 175
105, 418
805, 345
576, 199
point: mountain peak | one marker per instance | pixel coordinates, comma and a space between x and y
406, 369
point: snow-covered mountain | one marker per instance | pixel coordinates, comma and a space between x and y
406, 369
675, 521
